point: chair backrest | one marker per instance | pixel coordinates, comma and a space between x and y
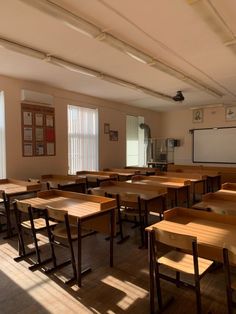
138, 177
34, 180
177, 240
132, 200
97, 192
3, 198
22, 207
107, 183
57, 214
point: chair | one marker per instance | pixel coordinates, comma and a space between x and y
62, 235
100, 192
129, 204
178, 261
3, 208
32, 225
229, 257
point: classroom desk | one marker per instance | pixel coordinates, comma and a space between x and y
147, 171
12, 189
213, 177
221, 202
89, 211
177, 188
65, 182
212, 230
154, 199
198, 181
94, 178
228, 186
123, 174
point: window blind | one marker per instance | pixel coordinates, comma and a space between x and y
82, 138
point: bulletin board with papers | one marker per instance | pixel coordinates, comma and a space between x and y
38, 130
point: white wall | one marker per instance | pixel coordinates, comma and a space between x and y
176, 124
112, 154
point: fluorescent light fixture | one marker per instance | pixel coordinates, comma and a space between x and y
72, 67
120, 82
125, 48
93, 31
16, 47
136, 87
67, 17
213, 18
155, 94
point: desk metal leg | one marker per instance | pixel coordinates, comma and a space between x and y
112, 231
8, 218
151, 274
79, 275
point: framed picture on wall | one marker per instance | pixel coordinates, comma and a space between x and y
113, 135
197, 115
106, 128
230, 113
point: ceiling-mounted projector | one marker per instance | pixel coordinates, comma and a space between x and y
179, 96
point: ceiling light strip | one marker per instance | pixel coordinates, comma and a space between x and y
93, 31
16, 47
213, 18
66, 16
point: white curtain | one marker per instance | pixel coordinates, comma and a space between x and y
2, 138
82, 138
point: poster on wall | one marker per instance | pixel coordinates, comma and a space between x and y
39, 119
28, 150
27, 117
28, 135
50, 149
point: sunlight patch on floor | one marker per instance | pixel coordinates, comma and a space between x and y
131, 291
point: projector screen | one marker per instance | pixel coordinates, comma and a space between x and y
214, 145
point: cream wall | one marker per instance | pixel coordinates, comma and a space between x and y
112, 154
176, 124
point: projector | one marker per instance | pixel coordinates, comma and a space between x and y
179, 96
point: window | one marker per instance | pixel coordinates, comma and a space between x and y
2, 138
135, 152
82, 139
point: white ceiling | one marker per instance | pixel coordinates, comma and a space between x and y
167, 30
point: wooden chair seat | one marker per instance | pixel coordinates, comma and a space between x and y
183, 262
61, 232
39, 224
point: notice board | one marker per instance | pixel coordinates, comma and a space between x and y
38, 130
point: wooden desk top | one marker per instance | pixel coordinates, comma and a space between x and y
212, 230
173, 183
96, 173
77, 204
62, 179
14, 187
194, 177
146, 192
156, 183
123, 172
221, 202
228, 186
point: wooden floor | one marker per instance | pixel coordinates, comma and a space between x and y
122, 289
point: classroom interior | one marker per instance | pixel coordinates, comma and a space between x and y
128, 61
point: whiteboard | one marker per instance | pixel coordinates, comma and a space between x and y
214, 145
